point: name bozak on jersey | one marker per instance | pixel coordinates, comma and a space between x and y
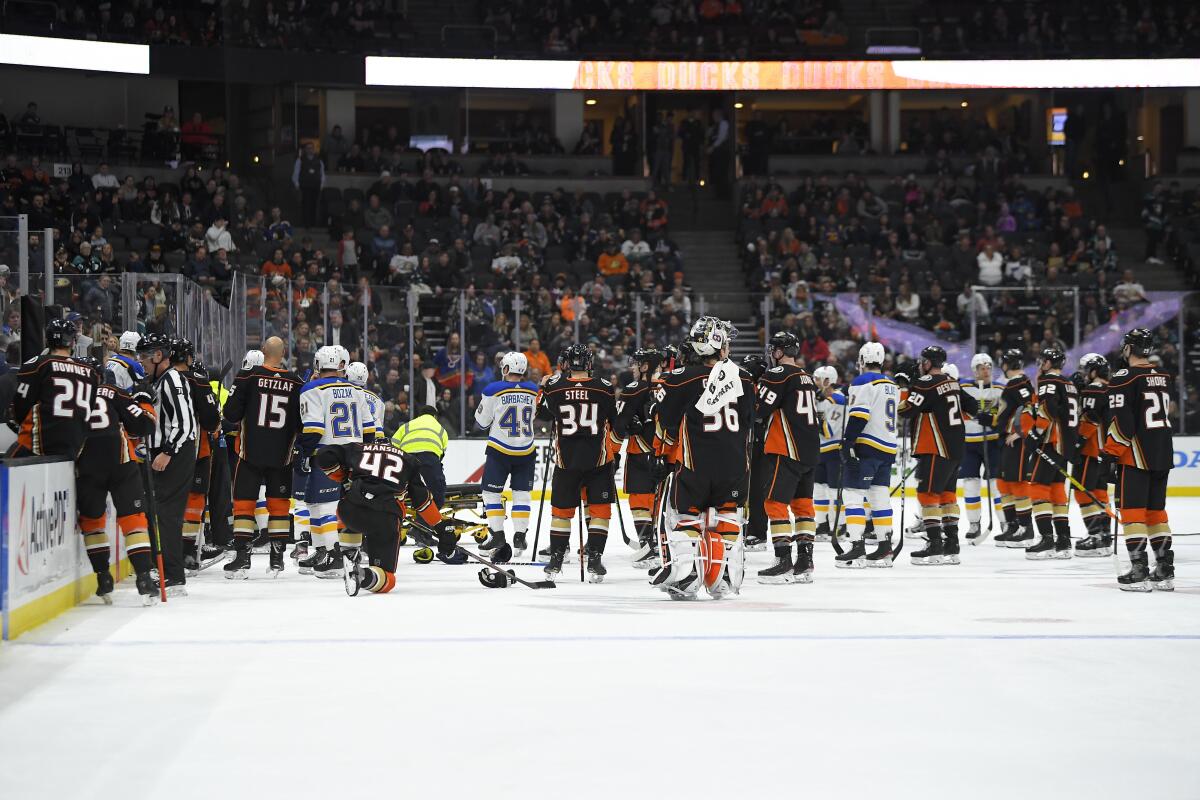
337, 411
875, 397
833, 421
989, 400
506, 412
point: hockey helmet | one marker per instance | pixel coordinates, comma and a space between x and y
60, 333
356, 373
1053, 356
343, 356
254, 358
935, 355
154, 342
1094, 362
578, 358
981, 360
327, 358
181, 350
670, 354
825, 375
871, 353
648, 356
1138, 342
129, 341
785, 341
1012, 359
89, 361
951, 370
708, 337
514, 363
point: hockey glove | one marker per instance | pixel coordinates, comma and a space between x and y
850, 459
659, 469
616, 463
447, 544
986, 418
1108, 470
140, 394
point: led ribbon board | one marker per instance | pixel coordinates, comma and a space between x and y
43, 51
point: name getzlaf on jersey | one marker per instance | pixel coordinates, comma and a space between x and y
340, 404
265, 403
506, 411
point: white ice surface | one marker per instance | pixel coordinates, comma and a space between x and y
999, 678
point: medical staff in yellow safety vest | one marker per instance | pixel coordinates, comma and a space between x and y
425, 439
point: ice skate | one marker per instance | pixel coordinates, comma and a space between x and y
595, 567
931, 554
1138, 577
1041, 551
754, 544
916, 530
974, 533
822, 534
519, 543
311, 560
1062, 544
300, 551
950, 548
275, 567
1023, 539
261, 542
331, 567
854, 558
1163, 575
802, 570
104, 586
147, 588
554, 568
176, 587
780, 571
1097, 545
882, 556
1005, 538
239, 567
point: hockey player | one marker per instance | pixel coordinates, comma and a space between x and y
53, 400
1092, 466
939, 406
505, 411
123, 364
208, 418
787, 400
1017, 396
755, 539
107, 466
265, 405
831, 409
1139, 437
636, 423
332, 411
981, 455
1050, 444
378, 479
356, 373
254, 358
583, 413
868, 451
705, 418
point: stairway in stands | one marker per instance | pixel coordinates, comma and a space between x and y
714, 271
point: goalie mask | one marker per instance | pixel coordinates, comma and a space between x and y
708, 337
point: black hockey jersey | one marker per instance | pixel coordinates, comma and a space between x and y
116, 421
787, 402
265, 405
584, 414
1018, 393
53, 404
717, 442
638, 401
1093, 419
383, 476
1139, 433
940, 407
1057, 412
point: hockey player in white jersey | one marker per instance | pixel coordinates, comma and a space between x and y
868, 450
506, 410
981, 453
832, 409
123, 365
356, 373
332, 411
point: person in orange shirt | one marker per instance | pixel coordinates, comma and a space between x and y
612, 261
537, 357
278, 265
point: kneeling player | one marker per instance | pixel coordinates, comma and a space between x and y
378, 478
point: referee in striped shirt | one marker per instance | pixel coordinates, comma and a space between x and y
172, 447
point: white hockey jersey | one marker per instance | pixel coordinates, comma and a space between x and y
336, 411
833, 421
125, 370
874, 398
506, 412
989, 400
375, 408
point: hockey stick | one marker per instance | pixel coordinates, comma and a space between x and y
582, 526
904, 454
507, 572
841, 480
903, 480
617, 502
1037, 450
152, 507
991, 498
537, 528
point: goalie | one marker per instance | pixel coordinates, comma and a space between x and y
378, 478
